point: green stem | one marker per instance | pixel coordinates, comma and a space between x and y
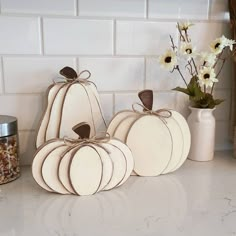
177, 68
212, 88
195, 67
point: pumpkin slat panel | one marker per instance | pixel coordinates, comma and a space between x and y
151, 144
85, 171
186, 138
107, 166
55, 115
128, 156
50, 170
123, 127
97, 114
76, 108
39, 158
63, 170
119, 165
177, 143
51, 94
117, 118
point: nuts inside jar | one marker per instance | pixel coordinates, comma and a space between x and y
9, 160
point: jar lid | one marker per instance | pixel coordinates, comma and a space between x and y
8, 125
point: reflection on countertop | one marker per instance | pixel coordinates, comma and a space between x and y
198, 199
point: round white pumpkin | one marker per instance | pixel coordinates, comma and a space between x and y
159, 141
82, 167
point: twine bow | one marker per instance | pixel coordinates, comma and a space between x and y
85, 79
97, 140
79, 78
160, 113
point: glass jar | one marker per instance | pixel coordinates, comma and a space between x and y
9, 149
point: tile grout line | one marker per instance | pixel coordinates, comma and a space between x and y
120, 92
76, 7
102, 18
81, 55
209, 10
146, 9
114, 38
113, 107
145, 73
42, 50
76, 64
3, 79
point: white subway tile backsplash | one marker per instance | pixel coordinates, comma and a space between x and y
53, 7
112, 8
107, 106
77, 36
223, 141
27, 146
226, 75
124, 101
178, 9
32, 74
203, 33
182, 104
164, 100
27, 109
222, 111
19, 35
114, 74
219, 10
143, 37
1, 80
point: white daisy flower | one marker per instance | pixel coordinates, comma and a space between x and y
168, 60
207, 77
185, 25
187, 50
218, 45
228, 42
207, 59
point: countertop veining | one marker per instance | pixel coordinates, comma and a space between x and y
198, 199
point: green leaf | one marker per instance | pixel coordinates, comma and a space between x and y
194, 89
183, 90
218, 101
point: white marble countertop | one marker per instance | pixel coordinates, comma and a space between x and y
198, 199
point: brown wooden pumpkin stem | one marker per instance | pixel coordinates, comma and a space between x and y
146, 97
69, 73
82, 129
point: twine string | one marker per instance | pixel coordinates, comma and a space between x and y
80, 79
160, 113
96, 139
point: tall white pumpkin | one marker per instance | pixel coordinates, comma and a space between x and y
71, 102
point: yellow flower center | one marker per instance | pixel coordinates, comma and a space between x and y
188, 51
217, 45
168, 59
206, 76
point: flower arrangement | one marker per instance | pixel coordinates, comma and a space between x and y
204, 68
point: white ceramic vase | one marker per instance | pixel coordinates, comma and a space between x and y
202, 127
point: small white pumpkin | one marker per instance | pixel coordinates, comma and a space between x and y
84, 166
69, 103
159, 140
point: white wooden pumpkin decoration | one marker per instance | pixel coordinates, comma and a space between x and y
83, 166
69, 103
159, 140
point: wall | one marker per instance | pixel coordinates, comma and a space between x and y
118, 41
